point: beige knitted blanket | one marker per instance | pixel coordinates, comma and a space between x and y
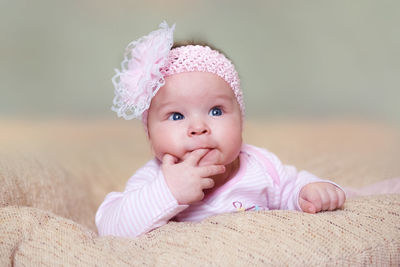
53, 176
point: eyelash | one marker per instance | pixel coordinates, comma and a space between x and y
216, 108
175, 116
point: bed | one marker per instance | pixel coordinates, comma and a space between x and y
55, 173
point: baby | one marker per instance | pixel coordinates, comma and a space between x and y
190, 102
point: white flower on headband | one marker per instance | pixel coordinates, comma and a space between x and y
140, 77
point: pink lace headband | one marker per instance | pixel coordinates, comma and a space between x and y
150, 59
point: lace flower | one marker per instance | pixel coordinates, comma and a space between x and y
140, 77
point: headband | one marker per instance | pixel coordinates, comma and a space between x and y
148, 60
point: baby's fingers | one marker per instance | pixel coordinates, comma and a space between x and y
341, 197
311, 195
196, 155
336, 198
169, 159
307, 206
211, 170
333, 199
207, 183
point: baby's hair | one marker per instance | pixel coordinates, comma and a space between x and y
198, 42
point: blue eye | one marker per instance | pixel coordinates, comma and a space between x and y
216, 111
176, 116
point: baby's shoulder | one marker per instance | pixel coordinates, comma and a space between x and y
257, 152
264, 159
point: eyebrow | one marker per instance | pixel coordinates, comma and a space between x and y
165, 105
225, 97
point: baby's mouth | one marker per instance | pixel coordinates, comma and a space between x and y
191, 151
207, 159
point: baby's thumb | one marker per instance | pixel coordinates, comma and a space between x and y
307, 206
169, 159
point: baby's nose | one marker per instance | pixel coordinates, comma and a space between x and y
199, 128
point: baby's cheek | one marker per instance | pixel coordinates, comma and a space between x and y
172, 149
235, 144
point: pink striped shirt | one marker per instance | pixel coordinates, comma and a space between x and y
262, 183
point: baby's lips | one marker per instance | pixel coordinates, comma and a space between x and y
200, 147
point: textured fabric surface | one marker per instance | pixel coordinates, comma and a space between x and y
348, 237
53, 176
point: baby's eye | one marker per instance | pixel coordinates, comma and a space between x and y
176, 116
215, 111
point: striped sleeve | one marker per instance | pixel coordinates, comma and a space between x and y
146, 203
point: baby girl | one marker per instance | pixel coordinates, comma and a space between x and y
190, 102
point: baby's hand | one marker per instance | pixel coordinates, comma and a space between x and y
186, 180
316, 197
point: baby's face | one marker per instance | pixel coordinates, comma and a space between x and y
195, 110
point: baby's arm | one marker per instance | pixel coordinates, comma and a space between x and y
304, 191
146, 204
301, 190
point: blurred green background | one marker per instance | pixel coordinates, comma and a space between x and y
296, 59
